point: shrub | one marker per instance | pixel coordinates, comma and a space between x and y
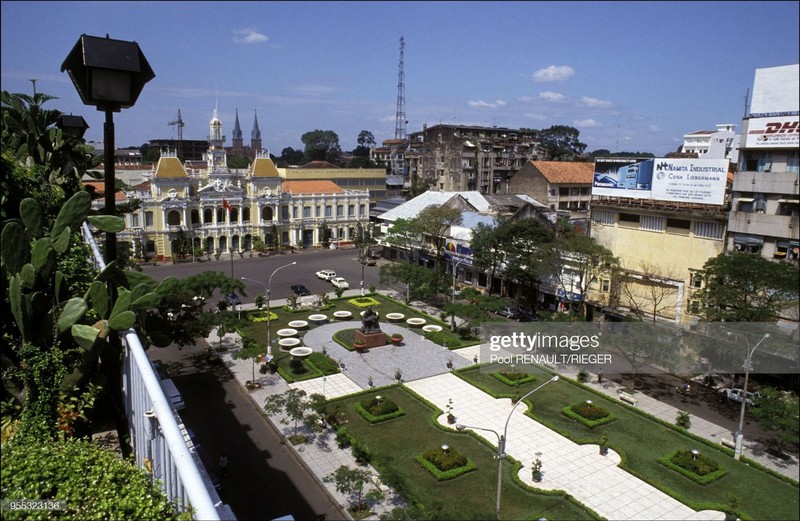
514, 379
445, 460
699, 464
379, 407
683, 420
441, 338
363, 302
590, 411
583, 376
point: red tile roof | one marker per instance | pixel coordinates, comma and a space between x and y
311, 187
566, 172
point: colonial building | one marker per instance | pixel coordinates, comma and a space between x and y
225, 211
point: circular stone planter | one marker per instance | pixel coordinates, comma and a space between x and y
298, 324
395, 317
289, 343
318, 318
301, 352
342, 315
284, 333
415, 322
431, 328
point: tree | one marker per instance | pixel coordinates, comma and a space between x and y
487, 253
251, 350
290, 156
575, 262
351, 481
650, 291
524, 246
182, 245
297, 408
321, 145
560, 142
746, 287
432, 223
366, 139
777, 412
238, 162
421, 283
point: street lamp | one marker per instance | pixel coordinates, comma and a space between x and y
269, 312
455, 273
737, 451
75, 126
109, 74
501, 443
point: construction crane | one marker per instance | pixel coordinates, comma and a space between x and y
178, 123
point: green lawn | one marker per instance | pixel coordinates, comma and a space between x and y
642, 440
470, 496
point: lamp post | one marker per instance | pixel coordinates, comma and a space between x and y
269, 312
737, 451
455, 273
501, 443
109, 74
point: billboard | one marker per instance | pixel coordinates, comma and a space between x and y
779, 131
678, 180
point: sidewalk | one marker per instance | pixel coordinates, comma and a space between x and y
618, 495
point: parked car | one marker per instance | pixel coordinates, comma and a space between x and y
367, 261
301, 290
326, 274
737, 395
340, 282
517, 313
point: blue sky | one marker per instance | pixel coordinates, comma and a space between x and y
630, 76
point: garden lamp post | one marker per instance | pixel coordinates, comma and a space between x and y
269, 312
737, 451
75, 126
501, 443
109, 74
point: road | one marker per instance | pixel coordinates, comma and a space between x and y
259, 269
265, 478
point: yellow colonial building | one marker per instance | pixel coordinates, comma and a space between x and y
227, 211
662, 248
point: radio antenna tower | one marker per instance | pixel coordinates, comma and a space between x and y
400, 118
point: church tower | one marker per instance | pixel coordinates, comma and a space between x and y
255, 136
216, 157
237, 142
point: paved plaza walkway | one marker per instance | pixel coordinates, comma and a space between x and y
594, 480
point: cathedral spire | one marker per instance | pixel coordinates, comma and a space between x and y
255, 135
237, 141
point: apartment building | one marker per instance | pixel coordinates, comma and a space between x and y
765, 211
722, 143
458, 158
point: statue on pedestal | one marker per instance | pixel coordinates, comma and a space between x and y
370, 322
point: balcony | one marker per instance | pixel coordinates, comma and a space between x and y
766, 182
764, 224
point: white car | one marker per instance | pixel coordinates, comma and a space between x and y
340, 282
737, 394
326, 275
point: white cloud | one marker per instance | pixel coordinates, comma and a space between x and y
554, 97
249, 35
486, 104
586, 123
525, 99
586, 101
653, 129
553, 73
537, 117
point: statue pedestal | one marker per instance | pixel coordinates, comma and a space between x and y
374, 339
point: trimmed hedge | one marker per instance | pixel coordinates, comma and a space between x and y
443, 475
589, 415
702, 469
375, 411
514, 379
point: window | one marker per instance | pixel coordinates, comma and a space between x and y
792, 162
563, 191
134, 220
694, 307
361, 210
628, 219
284, 213
148, 219
681, 226
764, 162
605, 285
696, 280
759, 203
788, 207
553, 192
328, 211
603, 217
339, 210
351, 210
306, 212
294, 212
708, 230
652, 223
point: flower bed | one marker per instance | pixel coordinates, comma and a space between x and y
415, 322
588, 414
699, 468
377, 409
445, 464
514, 379
261, 316
363, 302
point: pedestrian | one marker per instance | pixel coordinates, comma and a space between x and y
223, 465
600, 376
